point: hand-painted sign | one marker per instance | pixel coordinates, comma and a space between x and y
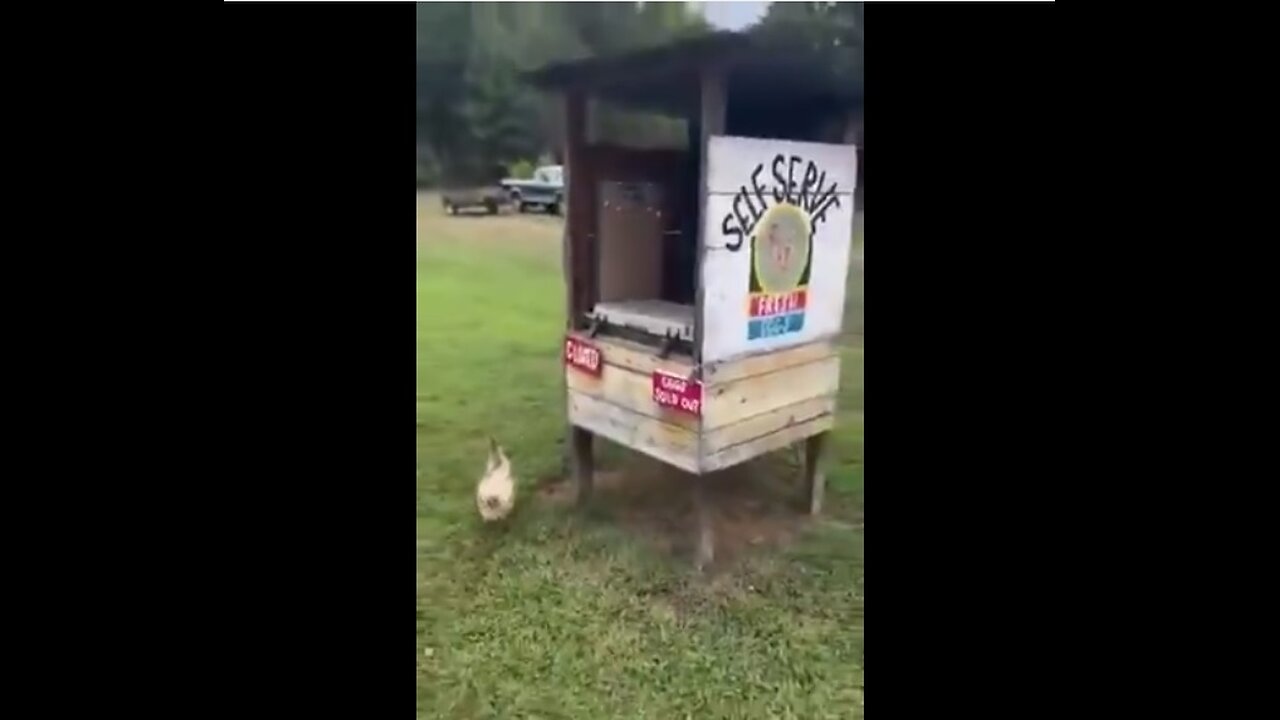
779, 222
677, 393
583, 356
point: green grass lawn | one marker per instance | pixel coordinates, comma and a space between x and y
559, 614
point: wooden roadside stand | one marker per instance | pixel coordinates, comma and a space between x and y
706, 284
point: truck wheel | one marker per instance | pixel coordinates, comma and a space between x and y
554, 208
491, 207
521, 207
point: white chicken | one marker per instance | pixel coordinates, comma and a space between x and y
496, 492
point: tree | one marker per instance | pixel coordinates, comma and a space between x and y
832, 30
443, 31
473, 112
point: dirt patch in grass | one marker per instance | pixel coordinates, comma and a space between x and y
753, 506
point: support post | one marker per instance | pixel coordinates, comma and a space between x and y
814, 472
705, 552
578, 266
574, 256
711, 121
583, 464
712, 100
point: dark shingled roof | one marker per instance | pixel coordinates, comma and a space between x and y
666, 78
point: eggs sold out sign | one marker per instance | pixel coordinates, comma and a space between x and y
677, 393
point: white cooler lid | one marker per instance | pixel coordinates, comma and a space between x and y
656, 317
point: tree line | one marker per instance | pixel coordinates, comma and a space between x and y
476, 118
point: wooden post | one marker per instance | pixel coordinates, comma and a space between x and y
813, 473
711, 121
578, 275
577, 259
705, 552
583, 464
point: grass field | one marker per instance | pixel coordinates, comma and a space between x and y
599, 615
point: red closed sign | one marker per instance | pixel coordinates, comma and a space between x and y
677, 393
583, 356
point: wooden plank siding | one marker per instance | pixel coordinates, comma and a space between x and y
763, 403
747, 397
618, 404
672, 444
750, 406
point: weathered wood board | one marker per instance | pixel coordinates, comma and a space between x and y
750, 406
737, 400
629, 391
762, 403
635, 356
722, 372
626, 381
754, 428
672, 444
737, 454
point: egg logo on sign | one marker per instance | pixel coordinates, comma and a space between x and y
781, 257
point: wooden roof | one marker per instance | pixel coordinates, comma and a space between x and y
666, 78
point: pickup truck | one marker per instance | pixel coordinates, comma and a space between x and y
545, 190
